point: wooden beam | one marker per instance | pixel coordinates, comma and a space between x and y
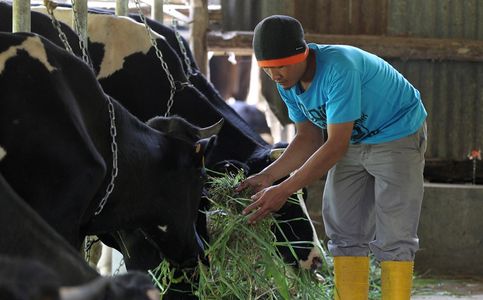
182, 12
406, 48
157, 10
21, 21
122, 7
198, 30
239, 42
80, 6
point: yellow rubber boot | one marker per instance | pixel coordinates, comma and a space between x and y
351, 277
396, 280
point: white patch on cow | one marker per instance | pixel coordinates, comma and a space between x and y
307, 264
2, 153
120, 35
317, 250
163, 228
62, 14
33, 46
123, 38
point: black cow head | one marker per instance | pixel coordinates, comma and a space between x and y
181, 129
199, 103
173, 238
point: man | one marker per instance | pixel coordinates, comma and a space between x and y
374, 153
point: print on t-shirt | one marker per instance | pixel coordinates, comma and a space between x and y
318, 116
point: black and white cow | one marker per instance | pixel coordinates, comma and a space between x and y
124, 54
27, 279
128, 69
117, 63
37, 263
25, 235
237, 141
55, 128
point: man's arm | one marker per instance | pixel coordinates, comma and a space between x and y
323, 159
307, 140
271, 199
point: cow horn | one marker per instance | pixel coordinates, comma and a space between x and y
101, 287
88, 291
2, 153
211, 130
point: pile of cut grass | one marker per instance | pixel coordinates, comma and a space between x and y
244, 260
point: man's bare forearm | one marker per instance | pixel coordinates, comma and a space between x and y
296, 154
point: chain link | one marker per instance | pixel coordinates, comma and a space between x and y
50, 6
82, 37
115, 170
159, 54
89, 241
183, 51
118, 269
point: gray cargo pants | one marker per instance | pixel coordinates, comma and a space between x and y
372, 199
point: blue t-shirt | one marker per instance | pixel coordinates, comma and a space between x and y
353, 85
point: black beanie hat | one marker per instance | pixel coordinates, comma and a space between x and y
279, 40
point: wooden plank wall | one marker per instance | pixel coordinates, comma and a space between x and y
342, 16
452, 91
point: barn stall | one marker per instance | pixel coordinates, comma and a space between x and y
439, 48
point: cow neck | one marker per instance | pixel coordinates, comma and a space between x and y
114, 150
164, 65
85, 57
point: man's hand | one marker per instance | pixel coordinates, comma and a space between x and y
268, 200
255, 183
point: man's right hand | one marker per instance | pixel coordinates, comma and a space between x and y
255, 183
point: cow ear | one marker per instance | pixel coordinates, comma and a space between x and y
204, 146
211, 130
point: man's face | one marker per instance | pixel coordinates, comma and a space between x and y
287, 76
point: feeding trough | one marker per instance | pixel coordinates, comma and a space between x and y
451, 226
451, 230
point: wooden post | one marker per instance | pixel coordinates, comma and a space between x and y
198, 31
80, 7
122, 7
157, 11
21, 16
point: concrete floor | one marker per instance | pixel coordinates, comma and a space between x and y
474, 297
448, 288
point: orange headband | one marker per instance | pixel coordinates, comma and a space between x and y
285, 60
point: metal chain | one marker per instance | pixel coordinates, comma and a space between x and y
183, 51
87, 250
118, 269
50, 6
82, 38
161, 59
115, 170
88, 243
112, 117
